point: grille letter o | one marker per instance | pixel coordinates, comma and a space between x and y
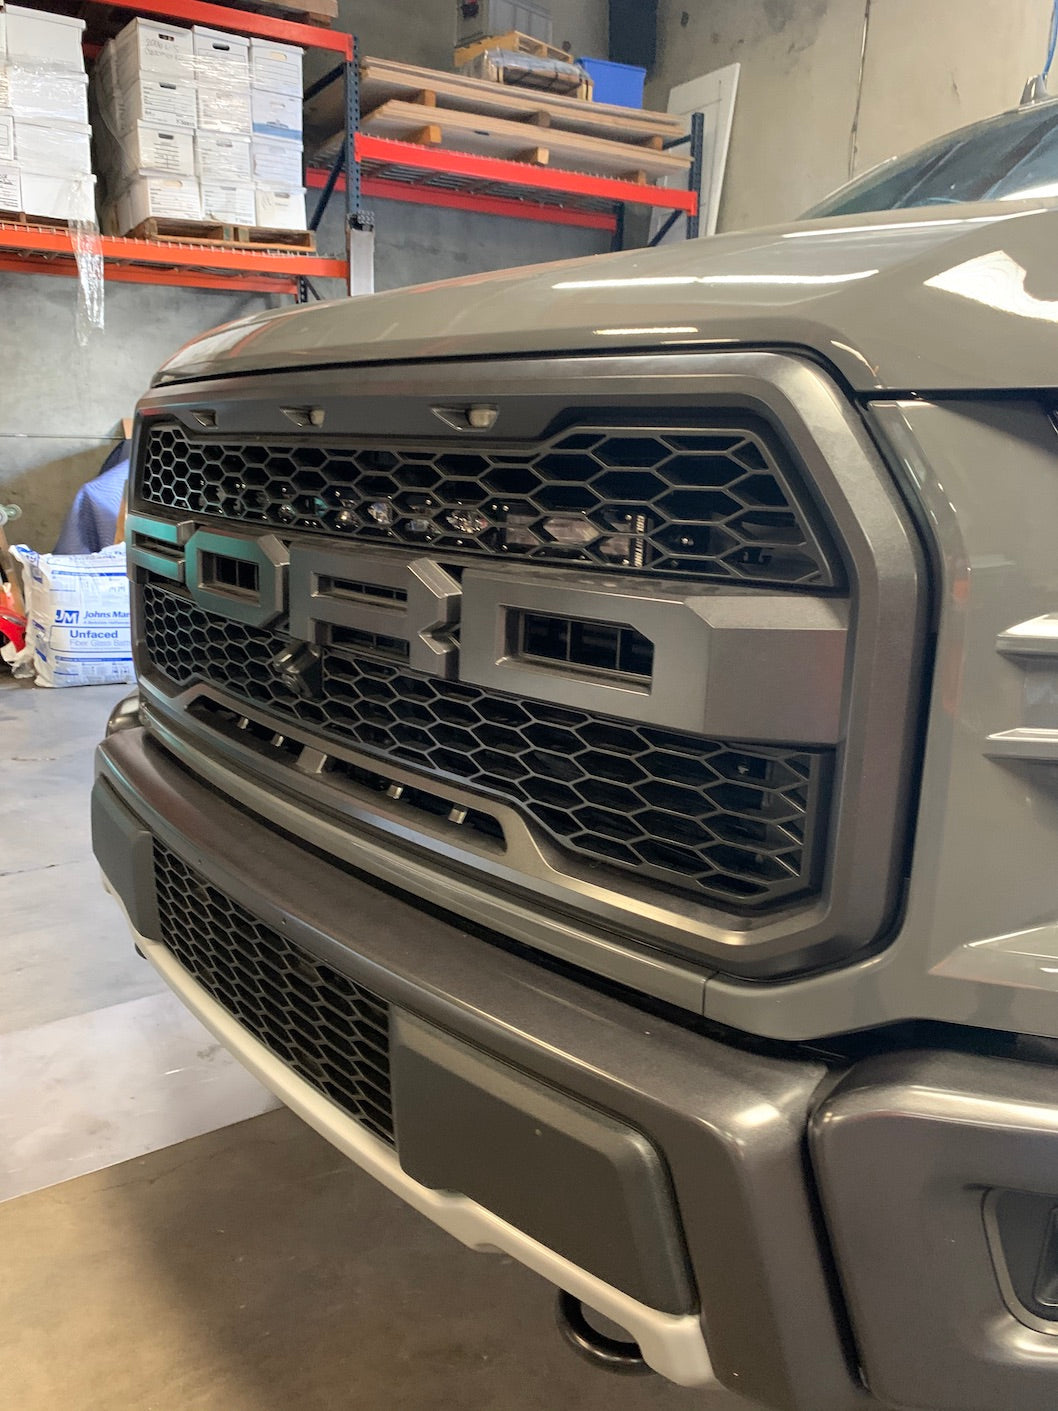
266, 553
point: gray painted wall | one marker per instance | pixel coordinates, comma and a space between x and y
422, 31
931, 65
60, 405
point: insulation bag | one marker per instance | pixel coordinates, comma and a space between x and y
77, 611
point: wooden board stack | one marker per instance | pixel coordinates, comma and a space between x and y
455, 112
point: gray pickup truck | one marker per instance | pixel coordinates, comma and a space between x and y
596, 759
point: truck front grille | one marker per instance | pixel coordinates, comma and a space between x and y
708, 501
737, 824
334, 1034
628, 666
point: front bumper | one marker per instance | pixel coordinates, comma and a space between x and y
723, 1278
671, 1344
676, 1183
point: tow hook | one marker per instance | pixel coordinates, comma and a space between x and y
612, 1354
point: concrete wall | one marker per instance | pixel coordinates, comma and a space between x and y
422, 31
60, 405
931, 65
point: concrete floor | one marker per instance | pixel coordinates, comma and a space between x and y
98, 1061
158, 1252
254, 1269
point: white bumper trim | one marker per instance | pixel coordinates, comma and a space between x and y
672, 1344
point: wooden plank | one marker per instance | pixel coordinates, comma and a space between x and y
384, 79
469, 132
428, 136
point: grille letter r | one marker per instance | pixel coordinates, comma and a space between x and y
425, 617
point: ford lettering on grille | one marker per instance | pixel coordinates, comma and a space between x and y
708, 652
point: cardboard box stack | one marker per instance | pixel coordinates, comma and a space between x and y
45, 151
276, 109
180, 115
225, 127
145, 101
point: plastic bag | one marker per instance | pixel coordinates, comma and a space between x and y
518, 70
88, 255
52, 176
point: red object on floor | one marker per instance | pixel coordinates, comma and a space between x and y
13, 628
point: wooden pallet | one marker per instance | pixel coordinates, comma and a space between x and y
215, 232
20, 218
496, 137
514, 41
382, 80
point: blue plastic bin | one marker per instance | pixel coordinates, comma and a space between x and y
615, 83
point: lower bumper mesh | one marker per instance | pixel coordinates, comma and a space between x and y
331, 1032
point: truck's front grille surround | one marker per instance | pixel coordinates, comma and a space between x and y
874, 571
332, 1032
739, 825
716, 500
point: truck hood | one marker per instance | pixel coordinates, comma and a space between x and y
919, 301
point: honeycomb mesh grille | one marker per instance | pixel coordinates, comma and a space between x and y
334, 1034
708, 502
739, 825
